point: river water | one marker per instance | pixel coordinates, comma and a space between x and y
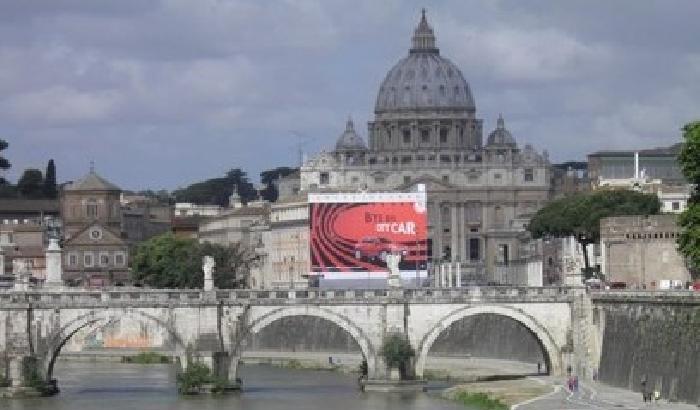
112, 386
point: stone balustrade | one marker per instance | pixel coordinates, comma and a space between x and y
139, 296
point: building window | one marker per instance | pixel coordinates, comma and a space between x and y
325, 178
503, 254
445, 158
474, 248
355, 180
425, 135
406, 179
104, 259
72, 259
406, 159
406, 136
420, 158
675, 205
529, 175
92, 208
446, 179
119, 259
88, 260
372, 160
443, 135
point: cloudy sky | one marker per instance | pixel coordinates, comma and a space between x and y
161, 93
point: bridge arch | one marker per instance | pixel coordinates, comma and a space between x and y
360, 337
552, 352
100, 318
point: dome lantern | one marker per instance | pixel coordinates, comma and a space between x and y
424, 37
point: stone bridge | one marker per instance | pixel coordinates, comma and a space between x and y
214, 326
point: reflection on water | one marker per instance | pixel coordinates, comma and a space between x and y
111, 386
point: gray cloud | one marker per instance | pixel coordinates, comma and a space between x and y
162, 93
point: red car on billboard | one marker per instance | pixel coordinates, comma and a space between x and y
373, 247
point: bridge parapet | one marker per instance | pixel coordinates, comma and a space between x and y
668, 297
169, 297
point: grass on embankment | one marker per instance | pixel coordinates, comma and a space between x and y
499, 392
479, 400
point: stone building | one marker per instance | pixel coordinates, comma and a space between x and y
425, 131
641, 251
25, 228
95, 252
285, 246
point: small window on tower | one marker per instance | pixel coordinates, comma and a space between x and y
406, 136
425, 135
443, 135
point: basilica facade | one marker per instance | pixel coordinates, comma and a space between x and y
425, 130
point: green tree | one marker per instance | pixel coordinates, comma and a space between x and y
268, 178
50, 180
689, 221
579, 215
4, 163
397, 352
216, 191
31, 184
167, 261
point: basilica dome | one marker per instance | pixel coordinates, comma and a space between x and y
424, 79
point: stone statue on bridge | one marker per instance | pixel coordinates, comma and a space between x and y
392, 263
208, 265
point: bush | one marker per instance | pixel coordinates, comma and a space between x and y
397, 351
196, 376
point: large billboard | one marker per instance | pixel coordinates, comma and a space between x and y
351, 235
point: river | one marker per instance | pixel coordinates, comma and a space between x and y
112, 386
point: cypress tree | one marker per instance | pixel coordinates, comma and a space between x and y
50, 180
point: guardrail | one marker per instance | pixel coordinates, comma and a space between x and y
258, 296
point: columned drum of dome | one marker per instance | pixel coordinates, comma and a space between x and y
424, 102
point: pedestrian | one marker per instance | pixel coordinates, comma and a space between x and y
575, 383
539, 367
644, 389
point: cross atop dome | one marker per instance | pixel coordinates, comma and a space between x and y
424, 37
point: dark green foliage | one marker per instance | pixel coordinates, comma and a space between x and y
689, 157
579, 215
31, 184
4, 163
270, 192
166, 261
8, 191
50, 181
479, 401
196, 376
397, 352
216, 191
147, 358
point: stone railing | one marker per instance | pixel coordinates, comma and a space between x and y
169, 297
646, 296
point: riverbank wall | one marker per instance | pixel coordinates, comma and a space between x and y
659, 343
